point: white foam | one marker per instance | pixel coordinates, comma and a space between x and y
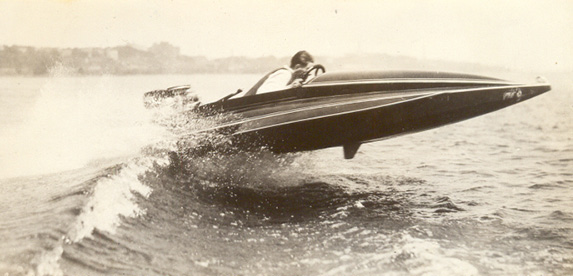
113, 197
414, 255
428, 258
48, 263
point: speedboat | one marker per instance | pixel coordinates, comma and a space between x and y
347, 109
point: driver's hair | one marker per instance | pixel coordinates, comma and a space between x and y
301, 58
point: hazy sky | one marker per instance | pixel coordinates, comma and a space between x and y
518, 34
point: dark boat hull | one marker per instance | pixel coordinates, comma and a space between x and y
348, 113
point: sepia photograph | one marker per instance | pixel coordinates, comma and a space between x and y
321, 137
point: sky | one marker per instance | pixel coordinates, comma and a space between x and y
518, 34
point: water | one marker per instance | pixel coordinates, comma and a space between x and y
90, 185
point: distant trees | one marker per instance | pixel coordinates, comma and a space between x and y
164, 50
164, 58
27, 60
160, 58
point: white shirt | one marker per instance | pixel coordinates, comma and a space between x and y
277, 81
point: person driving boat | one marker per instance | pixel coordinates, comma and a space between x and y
284, 77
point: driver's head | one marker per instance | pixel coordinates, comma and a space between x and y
301, 60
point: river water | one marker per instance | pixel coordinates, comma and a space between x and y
89, 187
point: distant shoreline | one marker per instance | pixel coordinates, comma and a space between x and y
122, 75
165, 59
161, 58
